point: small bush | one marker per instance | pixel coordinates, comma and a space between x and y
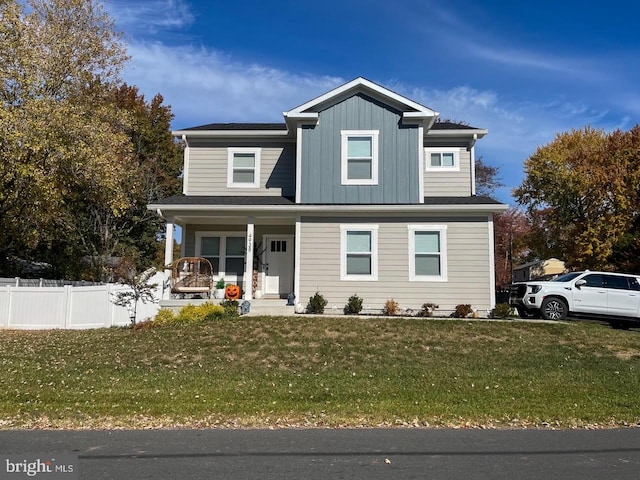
428, 309
463, 311
353, 306
221, 284
391, 307
165, 316
230, 308
316, 304
502, 310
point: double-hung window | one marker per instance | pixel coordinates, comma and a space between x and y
442, 159
427, 253
225, 251
243, 170
359, 252
359, 157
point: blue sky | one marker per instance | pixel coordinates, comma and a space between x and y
523, 70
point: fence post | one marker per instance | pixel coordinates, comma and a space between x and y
68, 306
4, 316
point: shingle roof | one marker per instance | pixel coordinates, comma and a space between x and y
283, 126
273, 200
240, 126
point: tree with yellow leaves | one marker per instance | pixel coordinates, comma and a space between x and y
581, 192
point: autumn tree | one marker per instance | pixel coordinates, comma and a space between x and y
60, 140
512, 237
582, 194
157, 161
487, 178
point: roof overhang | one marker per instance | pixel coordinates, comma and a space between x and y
413, 112
169, 210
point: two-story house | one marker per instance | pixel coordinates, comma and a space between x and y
359, 191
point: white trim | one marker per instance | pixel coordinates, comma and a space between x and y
359, 227
475, 133
473, 170
247, 287
265, 255
185, 168
492, 263
296, 259
442, 231
363, 82
223, 250
344, 147
299, 164
441, 150
168, 243
420, 164
231, 151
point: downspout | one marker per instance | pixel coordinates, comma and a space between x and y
472, 149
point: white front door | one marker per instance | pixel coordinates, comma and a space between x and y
278, 266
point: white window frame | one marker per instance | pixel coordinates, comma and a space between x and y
442, 231
231, 151
223, 252
344, 228
345, 135
456, 159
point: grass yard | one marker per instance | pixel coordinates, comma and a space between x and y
308, 372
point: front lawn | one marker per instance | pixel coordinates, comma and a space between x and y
302, 371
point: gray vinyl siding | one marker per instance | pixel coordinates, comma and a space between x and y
449, 184
397, 155
208, 163
469, 277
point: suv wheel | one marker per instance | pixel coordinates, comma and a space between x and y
526, 313
554, 308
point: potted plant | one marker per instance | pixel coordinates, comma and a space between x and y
220, 287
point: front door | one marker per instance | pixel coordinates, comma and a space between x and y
278, 266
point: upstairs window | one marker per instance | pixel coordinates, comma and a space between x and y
243, 168
442, 159
359, 157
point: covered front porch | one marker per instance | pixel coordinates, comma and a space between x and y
254, 251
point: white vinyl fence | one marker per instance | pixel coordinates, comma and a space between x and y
70, 307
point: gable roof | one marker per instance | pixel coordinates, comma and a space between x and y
413, 112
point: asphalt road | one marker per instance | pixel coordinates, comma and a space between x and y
340, 454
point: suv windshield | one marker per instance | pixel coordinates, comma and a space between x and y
567, 277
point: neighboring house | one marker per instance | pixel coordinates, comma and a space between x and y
537, 269
360, 191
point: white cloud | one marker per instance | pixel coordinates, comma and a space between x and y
204, 85
149, 16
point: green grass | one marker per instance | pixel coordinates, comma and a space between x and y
322, 372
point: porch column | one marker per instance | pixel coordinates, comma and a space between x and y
248, 269
168, 245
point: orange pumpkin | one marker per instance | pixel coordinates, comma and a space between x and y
233, 292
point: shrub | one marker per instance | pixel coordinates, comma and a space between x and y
502, 310
190, 314
391, 307
164, 316
230, 308
316, 304
463, 311
354, 305
221, 284
428, 309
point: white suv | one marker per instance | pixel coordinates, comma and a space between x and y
615, 296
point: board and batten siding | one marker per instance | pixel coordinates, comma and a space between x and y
208, 165
398, 155
469, 273
449, 184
